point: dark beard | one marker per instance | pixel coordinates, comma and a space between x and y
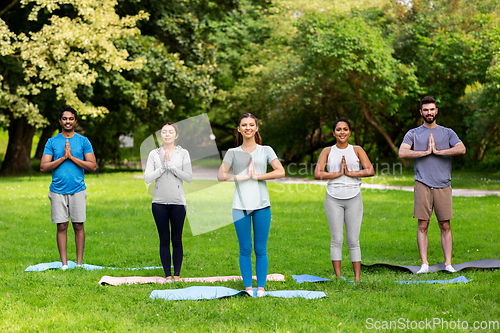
429, 121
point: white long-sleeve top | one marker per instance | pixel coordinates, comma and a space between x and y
169, 176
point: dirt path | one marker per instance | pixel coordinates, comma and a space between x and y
211, 174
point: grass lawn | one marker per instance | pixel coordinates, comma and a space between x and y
120, 232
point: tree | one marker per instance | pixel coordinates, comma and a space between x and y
238, 44
287, 74
176, 81
483, 100
452, 45
54, 47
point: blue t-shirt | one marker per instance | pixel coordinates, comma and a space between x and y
432, 170
68, 178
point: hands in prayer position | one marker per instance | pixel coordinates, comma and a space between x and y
67, 151
251, 170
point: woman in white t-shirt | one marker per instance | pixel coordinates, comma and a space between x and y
251, 205
343, 202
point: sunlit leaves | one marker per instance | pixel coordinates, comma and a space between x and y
64, 53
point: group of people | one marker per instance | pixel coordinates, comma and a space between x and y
69, 154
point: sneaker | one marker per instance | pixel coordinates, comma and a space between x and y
423, 269
261, 293
450, 269
64, 267
249, 292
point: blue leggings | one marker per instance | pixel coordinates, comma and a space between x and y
261, 220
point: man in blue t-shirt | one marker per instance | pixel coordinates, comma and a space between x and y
432, 146
68, 155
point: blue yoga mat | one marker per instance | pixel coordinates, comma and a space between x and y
71, 264
209, 292
460, 279
312, 278
308, 278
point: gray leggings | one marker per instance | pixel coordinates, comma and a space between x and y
351, 211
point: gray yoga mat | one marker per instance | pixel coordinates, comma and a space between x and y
476, 264
312, 278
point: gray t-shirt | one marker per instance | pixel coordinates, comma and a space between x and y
432, 170
250, 194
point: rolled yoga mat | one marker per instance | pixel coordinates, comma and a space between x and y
116, 281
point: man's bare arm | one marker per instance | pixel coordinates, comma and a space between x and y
47, 164
405, 151
458, 149
89, 164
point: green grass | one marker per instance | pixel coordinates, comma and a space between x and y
121, 232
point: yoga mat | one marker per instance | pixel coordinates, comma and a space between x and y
477, 264
270, 277
209, 292
460, 279
71, 264
312, 278
308, 278
116, 281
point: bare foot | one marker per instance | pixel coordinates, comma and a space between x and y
177, 278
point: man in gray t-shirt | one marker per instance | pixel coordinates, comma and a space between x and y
432, 146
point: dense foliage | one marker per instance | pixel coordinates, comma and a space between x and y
371, 63
128, 66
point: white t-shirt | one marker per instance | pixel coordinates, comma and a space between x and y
343, 187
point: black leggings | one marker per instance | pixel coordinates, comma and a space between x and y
176, 214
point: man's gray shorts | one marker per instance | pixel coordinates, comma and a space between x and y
64, 206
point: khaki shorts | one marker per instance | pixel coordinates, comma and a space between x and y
427, 198
64, 206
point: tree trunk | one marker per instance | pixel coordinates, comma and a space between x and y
17, 157
356, 135
46, 135
372, 121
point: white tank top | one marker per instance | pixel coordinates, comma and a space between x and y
343, 187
